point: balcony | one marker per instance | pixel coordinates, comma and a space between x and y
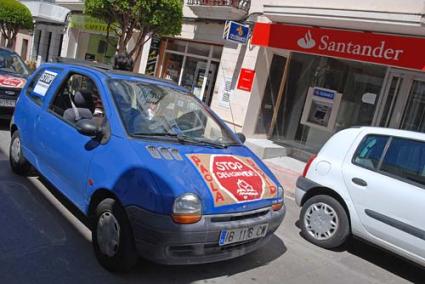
220, 9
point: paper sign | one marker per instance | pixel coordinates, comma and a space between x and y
369, 98
43, 84
233, 179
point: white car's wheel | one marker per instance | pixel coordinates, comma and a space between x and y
324, 222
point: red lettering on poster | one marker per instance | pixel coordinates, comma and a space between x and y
401, 51
237, 178
246, 79
11, 82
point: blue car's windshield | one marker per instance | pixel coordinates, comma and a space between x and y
153, 110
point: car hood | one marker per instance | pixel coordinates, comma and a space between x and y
12, 80
227, 180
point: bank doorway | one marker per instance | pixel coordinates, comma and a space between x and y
403, 101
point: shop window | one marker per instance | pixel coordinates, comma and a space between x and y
199, 49
176, 45
194, 74
359, 83
172, 67
217, 51
271, 93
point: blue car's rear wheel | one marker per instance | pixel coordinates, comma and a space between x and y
18, 163
113, 239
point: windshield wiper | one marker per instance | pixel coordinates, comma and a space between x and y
184, 138
162, 134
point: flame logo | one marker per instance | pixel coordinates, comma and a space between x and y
240, 31
307, 41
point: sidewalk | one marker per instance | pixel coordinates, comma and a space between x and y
286, 170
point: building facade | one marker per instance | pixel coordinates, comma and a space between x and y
310, 68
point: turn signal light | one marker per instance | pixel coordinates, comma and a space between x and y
186, 218
277, 206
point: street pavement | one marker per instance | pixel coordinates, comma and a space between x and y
43, 239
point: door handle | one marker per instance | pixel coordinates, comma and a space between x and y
359, 181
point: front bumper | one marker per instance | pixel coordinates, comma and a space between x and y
6, 112
161, 240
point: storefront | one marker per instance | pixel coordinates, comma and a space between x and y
85, 39
331, 79
193, 65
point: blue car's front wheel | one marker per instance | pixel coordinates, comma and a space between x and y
18, 163
113, 239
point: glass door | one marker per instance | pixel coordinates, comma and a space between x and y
414, 112
403, 105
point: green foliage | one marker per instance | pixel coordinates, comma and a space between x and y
162, 17
14, 16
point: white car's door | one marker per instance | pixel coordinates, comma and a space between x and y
385, 177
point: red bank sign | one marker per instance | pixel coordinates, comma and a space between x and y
392, 50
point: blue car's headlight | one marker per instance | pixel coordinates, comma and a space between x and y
187, 209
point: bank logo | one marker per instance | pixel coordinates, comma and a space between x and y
307, 42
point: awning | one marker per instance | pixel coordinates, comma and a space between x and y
87, 23
47, 12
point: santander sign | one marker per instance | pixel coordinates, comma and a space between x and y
326, 43
401, 51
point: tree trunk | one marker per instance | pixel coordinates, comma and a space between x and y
11, 40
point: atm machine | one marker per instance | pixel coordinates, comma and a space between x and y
320, 113
321, 108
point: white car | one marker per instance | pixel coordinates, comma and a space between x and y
368, 182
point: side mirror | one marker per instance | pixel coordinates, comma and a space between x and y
241, 137
88, 127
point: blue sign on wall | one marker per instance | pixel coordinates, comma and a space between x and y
324, 94
236, 32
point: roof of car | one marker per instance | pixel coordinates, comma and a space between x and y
393, 132
115, 74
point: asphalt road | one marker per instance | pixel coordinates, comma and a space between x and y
43, 241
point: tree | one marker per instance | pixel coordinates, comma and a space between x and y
14, 16
126, 18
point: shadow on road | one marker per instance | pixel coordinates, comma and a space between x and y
43, 239
4, 124
386, 260
382, 258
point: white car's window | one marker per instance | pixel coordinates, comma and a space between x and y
370, 151
406, 159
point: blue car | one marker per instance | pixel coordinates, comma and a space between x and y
156, 172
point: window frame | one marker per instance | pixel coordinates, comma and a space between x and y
62, 86
381, 159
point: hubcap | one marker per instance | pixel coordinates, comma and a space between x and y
16, 150
321, 221
108, 234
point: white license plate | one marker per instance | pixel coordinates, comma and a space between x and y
7, 103
242, 234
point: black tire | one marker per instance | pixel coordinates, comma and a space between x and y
18, 163
337, 236
124, 256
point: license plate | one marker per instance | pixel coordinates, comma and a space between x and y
242, 234
7, 103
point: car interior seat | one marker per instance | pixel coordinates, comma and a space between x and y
83, 107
